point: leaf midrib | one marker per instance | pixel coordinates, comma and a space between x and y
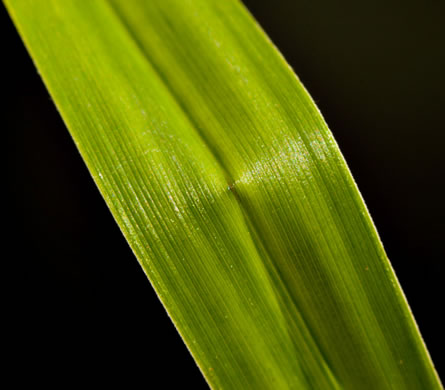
277, 280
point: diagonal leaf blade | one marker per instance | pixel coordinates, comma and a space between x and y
231, 191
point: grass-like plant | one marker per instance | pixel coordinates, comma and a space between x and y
231, 191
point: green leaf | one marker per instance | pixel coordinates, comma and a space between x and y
231, 191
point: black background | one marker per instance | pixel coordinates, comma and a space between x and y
84, 309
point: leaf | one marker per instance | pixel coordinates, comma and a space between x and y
231, 191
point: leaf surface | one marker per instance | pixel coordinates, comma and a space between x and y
231, 191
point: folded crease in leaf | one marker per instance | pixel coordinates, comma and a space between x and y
231, 191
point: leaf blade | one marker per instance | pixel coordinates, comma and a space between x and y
209, 176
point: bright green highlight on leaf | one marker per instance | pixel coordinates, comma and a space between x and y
231, 191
